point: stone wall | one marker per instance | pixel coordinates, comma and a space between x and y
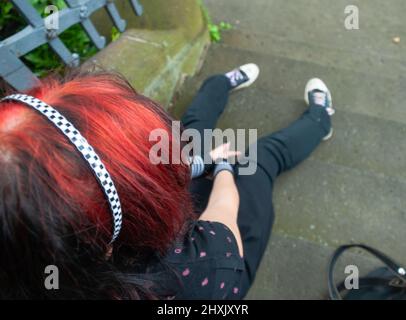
159, 49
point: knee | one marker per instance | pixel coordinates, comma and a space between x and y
219, 80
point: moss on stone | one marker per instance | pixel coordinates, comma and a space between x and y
159, 49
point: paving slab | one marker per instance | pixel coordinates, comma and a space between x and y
352, 187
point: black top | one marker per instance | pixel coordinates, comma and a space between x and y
207, 262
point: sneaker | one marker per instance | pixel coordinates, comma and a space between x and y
317, 93
243, 76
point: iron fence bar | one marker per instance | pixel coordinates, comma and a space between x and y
85, 10
115, 16
28, 12
36, 21
13, 70
138, 8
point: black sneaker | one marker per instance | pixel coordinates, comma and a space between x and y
243, 76
317, 93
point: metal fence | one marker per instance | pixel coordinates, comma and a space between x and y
40, 31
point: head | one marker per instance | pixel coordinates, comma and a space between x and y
52, 209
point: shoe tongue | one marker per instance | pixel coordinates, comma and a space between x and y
319, 97
237, 77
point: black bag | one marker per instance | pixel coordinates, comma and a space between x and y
387, 283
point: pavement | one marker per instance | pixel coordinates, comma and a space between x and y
353, 188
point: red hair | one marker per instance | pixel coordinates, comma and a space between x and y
44, 173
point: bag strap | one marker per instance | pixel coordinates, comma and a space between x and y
394, 267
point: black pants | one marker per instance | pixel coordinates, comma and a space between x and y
276, 153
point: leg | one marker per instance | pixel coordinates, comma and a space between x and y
208, 104
203, 113
212, 97
276, 153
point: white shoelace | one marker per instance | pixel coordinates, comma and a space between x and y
321, 98
235, 76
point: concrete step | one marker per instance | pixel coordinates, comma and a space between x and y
361, 142
371, 62
297, 269
365, 143
358, 92
347, 187
315, 21
330, 205
352, 188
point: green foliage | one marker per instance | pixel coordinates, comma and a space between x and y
115, 34
42, 60
6, 12
10, 21
40, 5
214, 29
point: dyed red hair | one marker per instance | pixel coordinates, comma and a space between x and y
47, 183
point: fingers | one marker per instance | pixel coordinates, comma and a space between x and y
224, 152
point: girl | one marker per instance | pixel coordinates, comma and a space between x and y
78, 192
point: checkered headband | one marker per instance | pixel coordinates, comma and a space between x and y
85, 149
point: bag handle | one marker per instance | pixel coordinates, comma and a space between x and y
394, 267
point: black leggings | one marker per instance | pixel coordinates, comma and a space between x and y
276, 153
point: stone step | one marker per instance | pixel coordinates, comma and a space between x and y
297, 269
374, 63
352, 188
361, 142
314, 21
365, 143
330, 204
372, 95
347, 187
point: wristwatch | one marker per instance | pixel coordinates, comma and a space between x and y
221, 166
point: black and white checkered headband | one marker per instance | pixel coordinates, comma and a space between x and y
85, 149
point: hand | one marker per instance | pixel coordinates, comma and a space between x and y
223, 152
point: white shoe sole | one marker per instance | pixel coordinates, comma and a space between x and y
252, 71
329, 136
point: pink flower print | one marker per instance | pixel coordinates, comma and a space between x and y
222, 285
228, 254
212, 232
202, 254
235, 290
186, 272
205, 282
178, 250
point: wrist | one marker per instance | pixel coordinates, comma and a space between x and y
223, 165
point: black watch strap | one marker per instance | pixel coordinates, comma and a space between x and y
223, 165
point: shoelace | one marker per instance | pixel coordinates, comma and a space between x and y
320, 98
235, 76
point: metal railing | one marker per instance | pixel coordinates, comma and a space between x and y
40, 31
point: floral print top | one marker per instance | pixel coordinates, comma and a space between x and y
207, 262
